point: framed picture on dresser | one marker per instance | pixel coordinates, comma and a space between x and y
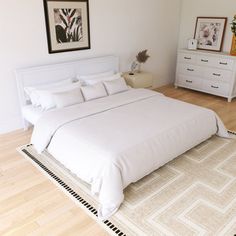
67, 25
209, 32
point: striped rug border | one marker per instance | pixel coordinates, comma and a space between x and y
232, 132
72, 193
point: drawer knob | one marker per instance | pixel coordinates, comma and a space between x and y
189, 81
190, 70
215, 87
216, 74
204, 60
187, 58
224, 63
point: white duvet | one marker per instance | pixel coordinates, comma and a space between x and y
114, 141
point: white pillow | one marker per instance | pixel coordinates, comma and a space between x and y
31, 92
95, 91
101, 79
46, 99
68, 98
115, 86
84, 78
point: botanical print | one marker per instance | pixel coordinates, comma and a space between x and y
68, 25
209, 34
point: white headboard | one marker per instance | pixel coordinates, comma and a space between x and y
56, 72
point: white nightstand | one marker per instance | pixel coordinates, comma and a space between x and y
139, 80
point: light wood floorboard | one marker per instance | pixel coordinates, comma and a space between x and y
226, 110
32, 204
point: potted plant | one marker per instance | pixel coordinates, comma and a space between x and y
233, 29
141, 58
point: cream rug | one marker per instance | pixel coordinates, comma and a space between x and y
193, 195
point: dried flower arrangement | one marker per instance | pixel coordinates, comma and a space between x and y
141, 58
233, 29
233, 25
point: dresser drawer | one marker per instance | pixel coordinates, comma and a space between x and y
205, 60
218, 75
224, 63
188, 82
216, 87
186, 58
190, 70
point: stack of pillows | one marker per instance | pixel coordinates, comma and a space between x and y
67, 92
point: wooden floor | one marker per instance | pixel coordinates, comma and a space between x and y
226, 110
30, 203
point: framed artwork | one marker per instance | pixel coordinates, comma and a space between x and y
209, 32
67, 24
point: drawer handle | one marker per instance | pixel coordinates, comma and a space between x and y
190, 70
187, 58
189, 81
215, 87
204, 60
224, 63
216, 74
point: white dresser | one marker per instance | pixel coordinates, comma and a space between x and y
213, 73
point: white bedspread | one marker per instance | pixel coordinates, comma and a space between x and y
114, 141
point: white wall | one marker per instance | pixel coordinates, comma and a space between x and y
193, 8
120, 27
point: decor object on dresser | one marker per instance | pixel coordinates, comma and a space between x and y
142, 57
233, 29
139, 80
67, 25
212, 73
209, 32
192, 44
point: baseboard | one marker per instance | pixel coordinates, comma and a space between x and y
10, 124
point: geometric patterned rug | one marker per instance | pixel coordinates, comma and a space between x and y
195, 194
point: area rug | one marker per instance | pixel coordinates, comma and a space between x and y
195, 194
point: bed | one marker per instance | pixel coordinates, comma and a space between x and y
116, 140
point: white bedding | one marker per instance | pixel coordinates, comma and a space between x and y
32, 114
114, 141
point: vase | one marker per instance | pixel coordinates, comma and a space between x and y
233, 47
139, 68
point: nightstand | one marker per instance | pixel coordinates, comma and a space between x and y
139, 80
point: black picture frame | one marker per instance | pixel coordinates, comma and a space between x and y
67, 25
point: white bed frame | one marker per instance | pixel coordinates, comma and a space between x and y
56, 72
